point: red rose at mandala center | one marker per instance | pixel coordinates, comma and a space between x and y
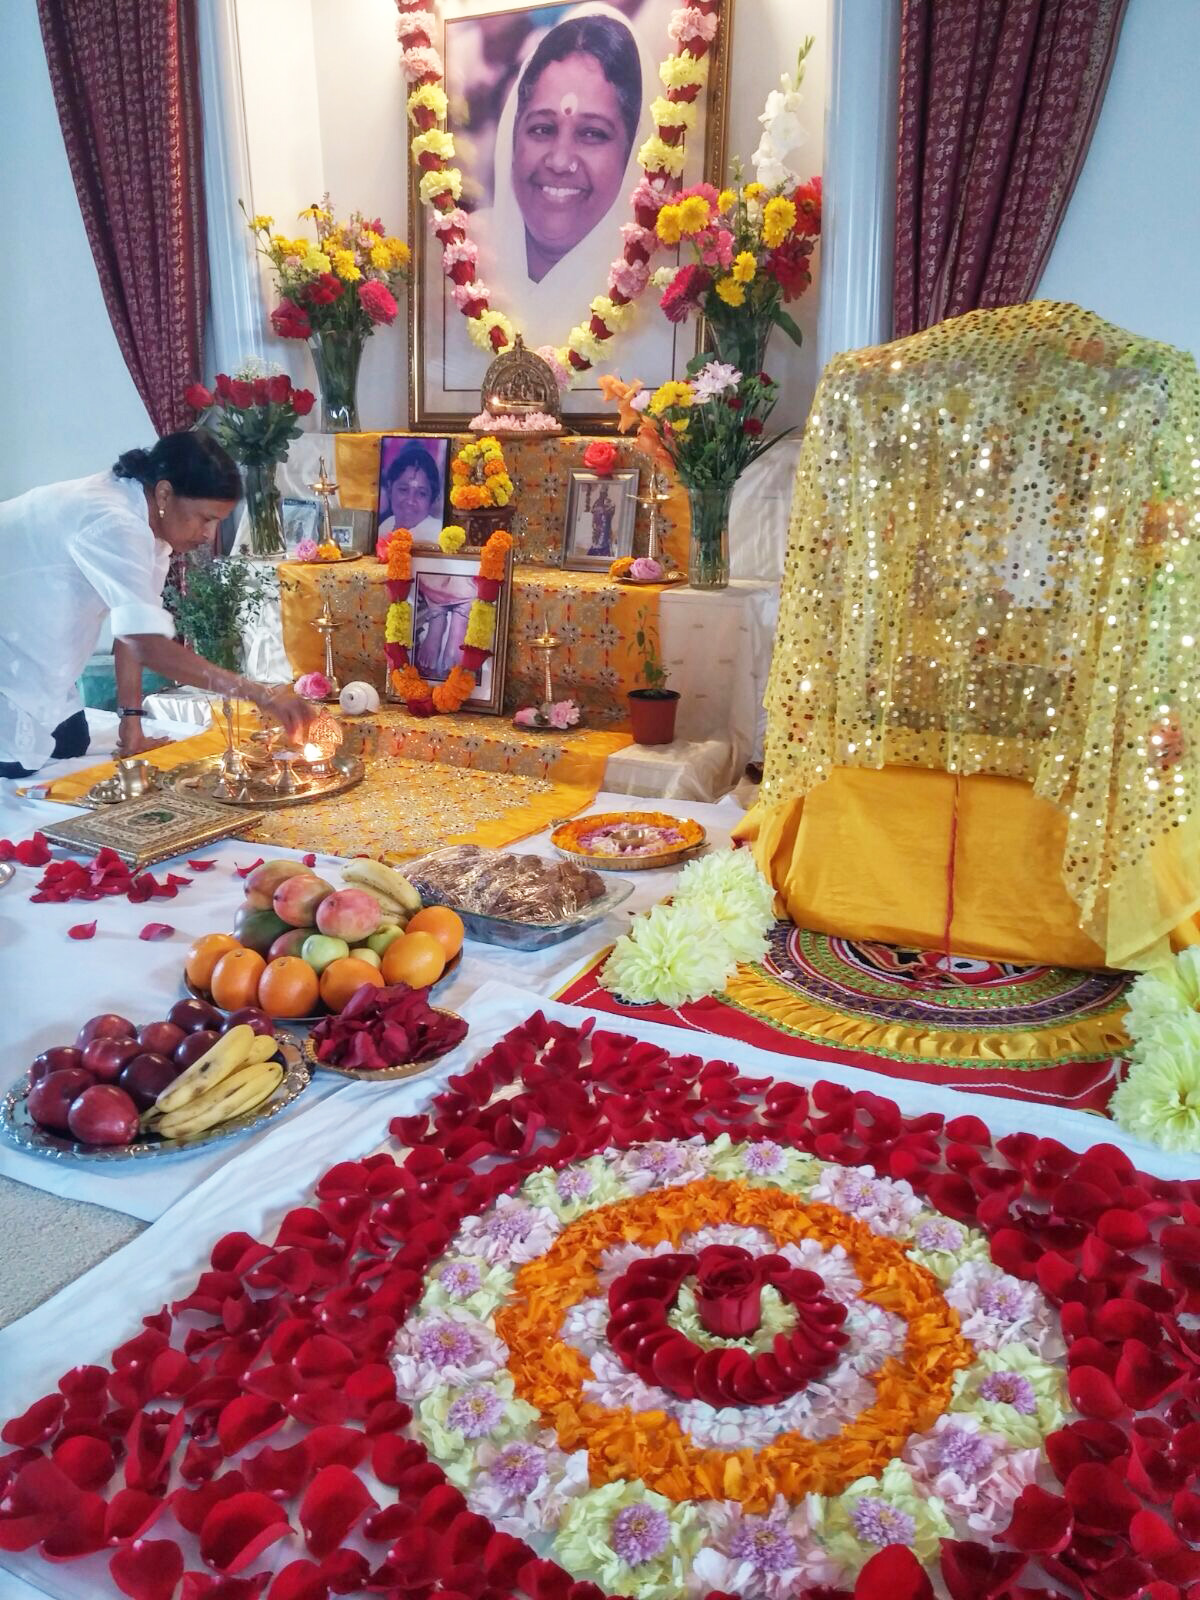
728, 1291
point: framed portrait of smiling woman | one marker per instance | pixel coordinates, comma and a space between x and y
549, 104
412, 486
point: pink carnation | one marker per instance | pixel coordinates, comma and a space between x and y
466, 294
306, 550
550, 356
688, 24
448, 221
705, 192
378, 301
413, 24
628, 277
421, 61
460, 250
682, 295
563, 714
313, 686
638, 238
716, 248
526, 717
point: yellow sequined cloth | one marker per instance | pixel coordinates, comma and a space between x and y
993, 567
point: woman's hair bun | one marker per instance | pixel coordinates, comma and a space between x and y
134, 464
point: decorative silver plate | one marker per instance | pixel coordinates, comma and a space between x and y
19, 1128
407, 1069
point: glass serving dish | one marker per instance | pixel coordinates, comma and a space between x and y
510, 935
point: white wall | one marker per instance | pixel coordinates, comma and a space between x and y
1129, 244
67, 403
342, 78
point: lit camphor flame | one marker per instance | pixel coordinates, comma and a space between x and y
313, 752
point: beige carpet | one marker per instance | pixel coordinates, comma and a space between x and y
46, 1242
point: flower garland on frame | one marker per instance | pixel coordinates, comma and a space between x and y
480, 638
684, 74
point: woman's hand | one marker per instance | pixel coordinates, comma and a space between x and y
131, 741
290, 710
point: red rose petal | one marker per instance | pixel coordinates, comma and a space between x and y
893, 1574
82, 930
335, 1500
977, 1572
244, 872
202, 866
1094, 1394
148, 1569
33, 852
130, 1512
248, 1418
309, 860
1143, 1376
37, 1424
1041, 1522
299, 1580
88, 1462
1099, 1499
156, 930
236, 1531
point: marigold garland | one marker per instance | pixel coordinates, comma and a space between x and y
549, 1374
661, 158
480, 638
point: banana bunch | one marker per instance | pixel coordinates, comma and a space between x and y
234, 1077
398, 900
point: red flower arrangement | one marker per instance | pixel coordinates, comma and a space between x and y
162, 1458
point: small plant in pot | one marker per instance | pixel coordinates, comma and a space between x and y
652, 708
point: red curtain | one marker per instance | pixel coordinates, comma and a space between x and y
998, 100
126, 80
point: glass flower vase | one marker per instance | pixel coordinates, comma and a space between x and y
336, 354
264, 509
740, 341
708, 548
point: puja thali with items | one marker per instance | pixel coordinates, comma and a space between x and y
265, 770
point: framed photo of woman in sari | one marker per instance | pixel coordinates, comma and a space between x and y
549, 104
600, 516
442, 594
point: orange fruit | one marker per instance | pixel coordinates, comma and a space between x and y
417, 959
288, 988
203, 956
445, 925
342, 979
235, 979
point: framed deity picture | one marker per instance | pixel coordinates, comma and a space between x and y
413, 487
443, 592
300, 519
600, 517
549, 104
353, 530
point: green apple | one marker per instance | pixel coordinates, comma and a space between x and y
319, 949
364, 953
382, 937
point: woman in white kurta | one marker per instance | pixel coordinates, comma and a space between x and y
73, 554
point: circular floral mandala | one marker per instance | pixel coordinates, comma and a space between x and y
926, 1424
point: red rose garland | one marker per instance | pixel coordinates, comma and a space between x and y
170, 1444
694, 29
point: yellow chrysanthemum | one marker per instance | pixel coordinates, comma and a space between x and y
731, 291
726, 200
448, 181
684, 72
261, 224
681, 426
779, 218
315, 260
400, 251
671, 393
754, 191
744, 266
429, 97
481, 625
658, 156
381, 257
673, 113
694, 214
345, 266
669, 225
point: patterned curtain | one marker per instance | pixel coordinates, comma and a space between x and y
126, 80
998, 100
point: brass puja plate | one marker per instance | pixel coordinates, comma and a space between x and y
206, 780
694, 838
320, 561
406, 1069
646, 583
19, 1128
153, 828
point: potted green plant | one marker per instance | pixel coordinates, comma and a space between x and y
651, 708
213, 603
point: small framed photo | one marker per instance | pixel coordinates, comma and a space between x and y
353, 531
413, 485
300, 519
443, 592
600, 516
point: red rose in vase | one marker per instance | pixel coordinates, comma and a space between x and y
290, 321
728, 1291
600, 456
279, 388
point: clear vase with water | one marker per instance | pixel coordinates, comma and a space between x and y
336, 354
708, 546
264, 509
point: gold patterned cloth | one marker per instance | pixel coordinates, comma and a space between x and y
595, 618
994, 567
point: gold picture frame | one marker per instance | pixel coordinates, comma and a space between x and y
434, 321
